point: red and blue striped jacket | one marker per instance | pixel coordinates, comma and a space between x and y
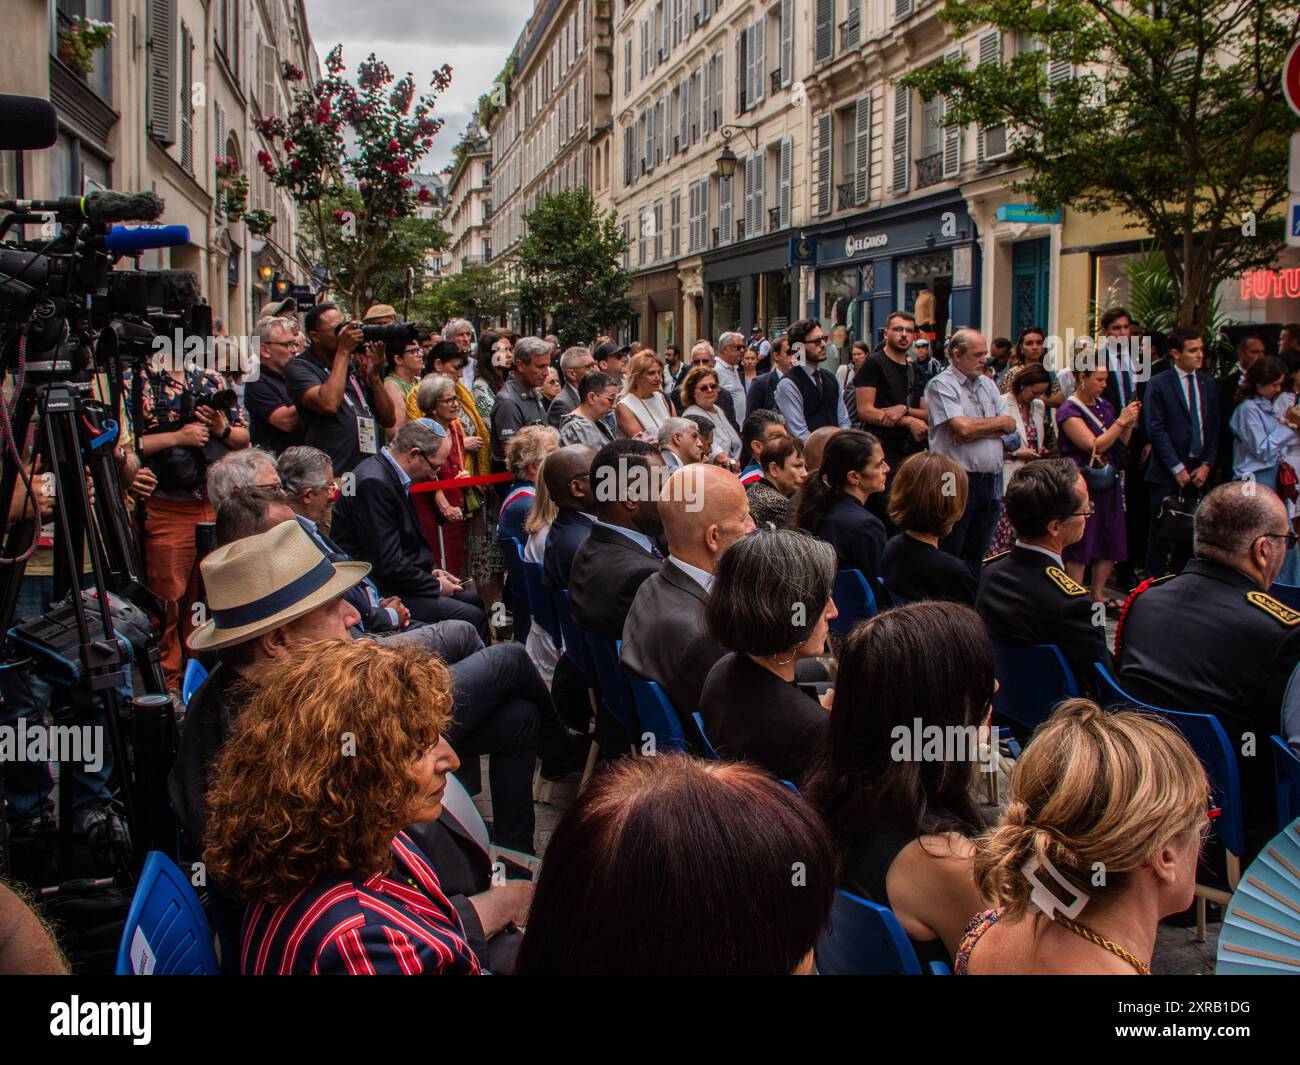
397, 923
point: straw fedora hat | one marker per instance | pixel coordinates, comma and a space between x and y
261, 582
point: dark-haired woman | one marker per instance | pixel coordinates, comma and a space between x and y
1031, 350
672, 866
832, 505
769, 605
900, 805
928, 499
784, 473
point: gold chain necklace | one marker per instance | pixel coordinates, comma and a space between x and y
1105, 944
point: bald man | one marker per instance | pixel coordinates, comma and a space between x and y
816, 445
567, 473
704, 510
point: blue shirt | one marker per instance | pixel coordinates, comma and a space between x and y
401, 473
637, 538
789, 401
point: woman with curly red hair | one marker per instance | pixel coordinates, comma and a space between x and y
307, 804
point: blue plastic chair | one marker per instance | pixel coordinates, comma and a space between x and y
540, 604
195, 675
513, 552
709, 750
1205, 735
612, 684
1286, 775
575, 646
1287, 594
657, 715
166, 932
1032, 680
853, 599
864, 939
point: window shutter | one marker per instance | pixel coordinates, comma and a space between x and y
706, 103
697, 110
742, 71
683, 120
902, 132
902, 10
853, 25
693, 203
724, 210
627, 65
675, 219
990, 51
272, 76
186, 107
645, 46
1058, 70
716, 121
706, 9
760, 58
161, 85
648, 140
747, 212
825, 135
786, 180
704, 212
661, 19
951, 132
760, 194
862, 150
824, 47
219, 149
787, 41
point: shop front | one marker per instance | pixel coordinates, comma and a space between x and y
657, 308
921, 257
750, 284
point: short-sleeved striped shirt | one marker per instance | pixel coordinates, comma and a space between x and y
396, 923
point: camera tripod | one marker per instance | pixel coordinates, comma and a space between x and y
78, 643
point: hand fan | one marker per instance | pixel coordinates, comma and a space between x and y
1261, 929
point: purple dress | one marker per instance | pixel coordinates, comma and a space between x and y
1104, 535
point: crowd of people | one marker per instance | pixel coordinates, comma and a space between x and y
367, 637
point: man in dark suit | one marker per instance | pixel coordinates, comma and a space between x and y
620, 553
1025, 596
1211, 640
1122, 354
568, 479
1250, 349
704, 510
377, 524
575, 364
1181, 416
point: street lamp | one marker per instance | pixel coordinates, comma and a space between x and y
727, 160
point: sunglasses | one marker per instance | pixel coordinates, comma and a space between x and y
706, 388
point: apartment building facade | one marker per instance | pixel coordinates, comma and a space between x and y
551, 131
180, 84
468, 213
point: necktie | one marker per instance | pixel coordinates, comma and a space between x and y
1194, 409
656, 553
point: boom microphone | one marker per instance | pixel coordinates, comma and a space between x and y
127, 240
104, 206
28, 123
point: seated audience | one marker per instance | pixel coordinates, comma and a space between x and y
642, 408
250, 467
783, 473
927, 500
815, 446
1025, 596
1117, 791
542, 649
704, 510
620, 553
769, 605
832, 505
586, 424
757, 431
1211, 640
378, 524
568, 480
524, 455
629, 884
705, 428
332, 884
905, 823
680, 443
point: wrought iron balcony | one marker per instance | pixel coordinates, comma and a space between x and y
740, 229
774, 218
929, 171
846, 197
776, 81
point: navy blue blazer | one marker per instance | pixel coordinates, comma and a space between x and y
857, 535
762, 393
1168, 425
374, 618
568, 532
377, 524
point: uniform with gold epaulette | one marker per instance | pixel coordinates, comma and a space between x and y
1026, 597
1211, 641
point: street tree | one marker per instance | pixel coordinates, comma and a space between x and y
349, 151
1170, 112
571, 277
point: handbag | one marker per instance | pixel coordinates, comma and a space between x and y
1176, 519
1101, 478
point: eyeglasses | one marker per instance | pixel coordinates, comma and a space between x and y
1291, 538
1085, 513
814, 340
902, 329
432, 468
706, 388
448, 399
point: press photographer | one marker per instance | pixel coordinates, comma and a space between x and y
190, 419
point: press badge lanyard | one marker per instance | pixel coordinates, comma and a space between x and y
366, 435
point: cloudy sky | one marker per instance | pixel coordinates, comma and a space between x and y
472, 36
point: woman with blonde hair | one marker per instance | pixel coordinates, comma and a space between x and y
642, 408
1098, 842
342, 750
537, 524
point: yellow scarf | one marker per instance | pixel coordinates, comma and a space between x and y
479, 462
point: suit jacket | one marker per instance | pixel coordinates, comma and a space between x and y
607, 571
377, 524
727, 404
857, 535
568, 531
1169, 425
1228, 385
664, 638
762, 392
374, 618
562, 405
1025, 598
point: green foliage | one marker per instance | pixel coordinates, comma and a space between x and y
478, 293
570, 268
1174, 116
1153, 298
